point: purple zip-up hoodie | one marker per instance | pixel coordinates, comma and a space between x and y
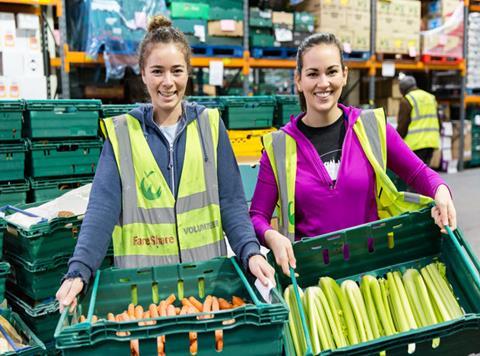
322, 205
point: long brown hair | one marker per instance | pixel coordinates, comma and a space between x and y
321, 38
160, 30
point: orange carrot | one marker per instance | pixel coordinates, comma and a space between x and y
196, 303
171, 298
153, 313
224, 304
146, 315
82, 319
94, 319
134, 348
207, 307
192, 335
218, 333
131, 311
237, 301
162, 308
187, 303
138, 312
119, 318
177, 310
171, 310
110, 317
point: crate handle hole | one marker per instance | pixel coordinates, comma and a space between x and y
335, 237
124, 280
316, 247
378, 226
201, 287
208, 271
326, 257
390, 240
180, 289
134, 292
155, 297
371, 244
189, 266
435, 343
143, 270
346, 252
411, 348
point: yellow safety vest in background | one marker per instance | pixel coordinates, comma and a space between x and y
423, 131
154, 228
370, 129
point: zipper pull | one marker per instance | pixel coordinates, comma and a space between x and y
170, 158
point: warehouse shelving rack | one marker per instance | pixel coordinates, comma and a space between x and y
247, 63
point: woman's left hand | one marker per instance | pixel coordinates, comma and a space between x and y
260, 268
444, 211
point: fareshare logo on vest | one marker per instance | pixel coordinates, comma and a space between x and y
195, 229
147, 186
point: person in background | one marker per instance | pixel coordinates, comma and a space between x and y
418, 122
325, 169
167, 184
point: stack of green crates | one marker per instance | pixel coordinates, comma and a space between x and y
38, 256
287, 105
261, 28
63, 145
473, 115
191, 18
13, 185
248, 112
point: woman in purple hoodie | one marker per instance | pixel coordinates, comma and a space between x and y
334, 183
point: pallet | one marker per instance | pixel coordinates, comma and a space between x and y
426, 58
274, 52
357, 56
217, 51
406, 58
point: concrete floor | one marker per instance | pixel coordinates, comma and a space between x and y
465, 186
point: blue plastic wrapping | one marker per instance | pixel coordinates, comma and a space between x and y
116, 28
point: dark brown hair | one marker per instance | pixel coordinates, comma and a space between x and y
160, 30
321, 38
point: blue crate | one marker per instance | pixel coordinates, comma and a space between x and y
274, 52
217, 51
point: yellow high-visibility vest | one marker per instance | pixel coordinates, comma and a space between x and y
154, 228
424, 130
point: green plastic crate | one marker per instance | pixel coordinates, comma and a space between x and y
185, 10
12, 161
224, 41
248, 112
41, 316
258, 325
112, 110
62, 118
64, 158
304, 22
260, 18
41, 279
11, 119
4, 272
262, 40
187, 26
224, 12
48, 189
33, 345
287, 105
409, 240
13, 193
211, 102
44, 240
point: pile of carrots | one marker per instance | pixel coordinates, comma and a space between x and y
166, 307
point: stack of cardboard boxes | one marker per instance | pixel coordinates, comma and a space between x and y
473, 50
444, 24
398, 27
349, 20
388, 96
21, 59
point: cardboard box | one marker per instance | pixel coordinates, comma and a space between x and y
283, 18
225, 28
12, 63
390, 105
33, 64
467, 143
7, 22
28, 22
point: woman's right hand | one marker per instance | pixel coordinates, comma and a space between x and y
282, 250
67, 293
